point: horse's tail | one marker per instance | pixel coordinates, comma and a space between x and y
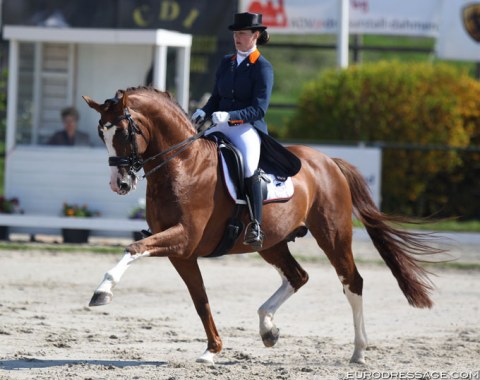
396, 246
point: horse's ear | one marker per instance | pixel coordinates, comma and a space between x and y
122, 96
91, 103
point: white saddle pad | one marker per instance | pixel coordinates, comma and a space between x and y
278, 191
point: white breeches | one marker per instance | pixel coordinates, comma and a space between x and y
245, 137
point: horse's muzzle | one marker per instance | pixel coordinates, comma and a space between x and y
122, 183
123, 186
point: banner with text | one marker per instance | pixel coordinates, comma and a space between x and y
208, 24
406, 17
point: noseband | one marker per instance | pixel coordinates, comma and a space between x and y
134, 162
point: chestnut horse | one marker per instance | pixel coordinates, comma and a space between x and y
188, 208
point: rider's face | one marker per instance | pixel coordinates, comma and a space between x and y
245, 39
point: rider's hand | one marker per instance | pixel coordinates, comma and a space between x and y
220, 117
198, 116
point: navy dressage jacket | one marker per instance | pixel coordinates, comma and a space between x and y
244, 91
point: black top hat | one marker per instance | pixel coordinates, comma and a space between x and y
247, 20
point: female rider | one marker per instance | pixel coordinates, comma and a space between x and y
238, 105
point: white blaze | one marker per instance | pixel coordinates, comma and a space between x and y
108, 134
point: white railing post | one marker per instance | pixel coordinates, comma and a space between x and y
342, 33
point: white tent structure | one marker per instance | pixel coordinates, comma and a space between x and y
86, 61
51, 68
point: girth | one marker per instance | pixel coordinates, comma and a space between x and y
234, 160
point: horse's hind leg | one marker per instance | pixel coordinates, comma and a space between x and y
336, 242
352, 288
293, 278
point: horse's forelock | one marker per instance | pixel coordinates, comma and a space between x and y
112, 108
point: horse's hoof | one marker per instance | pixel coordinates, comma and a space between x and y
358, 359
206, 358
270, 338
100, 299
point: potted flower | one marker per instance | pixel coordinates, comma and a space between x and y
138, 213
8, 206
75, 235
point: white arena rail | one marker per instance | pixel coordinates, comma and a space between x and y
94, 223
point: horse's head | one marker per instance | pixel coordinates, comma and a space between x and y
124, 139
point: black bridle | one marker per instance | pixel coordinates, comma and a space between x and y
134, 163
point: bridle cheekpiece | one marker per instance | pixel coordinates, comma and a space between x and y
134, 162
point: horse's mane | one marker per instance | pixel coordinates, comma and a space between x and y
152, 90
155, 94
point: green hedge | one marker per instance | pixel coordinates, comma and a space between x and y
402, 104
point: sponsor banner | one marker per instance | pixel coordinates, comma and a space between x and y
406, 17
459, 35
206, 22
186, 16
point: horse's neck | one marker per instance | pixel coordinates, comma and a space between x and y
167, 133
193, 169
166, 122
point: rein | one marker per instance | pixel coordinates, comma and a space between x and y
134, 162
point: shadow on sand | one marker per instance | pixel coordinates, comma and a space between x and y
18, 364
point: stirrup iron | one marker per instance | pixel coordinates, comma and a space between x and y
253, 235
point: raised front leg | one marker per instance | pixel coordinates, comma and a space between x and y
103, 294
170, 241
190, 273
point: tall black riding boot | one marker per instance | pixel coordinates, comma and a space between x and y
253, 232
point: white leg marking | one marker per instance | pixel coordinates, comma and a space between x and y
113, 276
206, 358
268, 309
356, 303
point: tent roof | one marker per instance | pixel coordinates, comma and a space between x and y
157, 37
